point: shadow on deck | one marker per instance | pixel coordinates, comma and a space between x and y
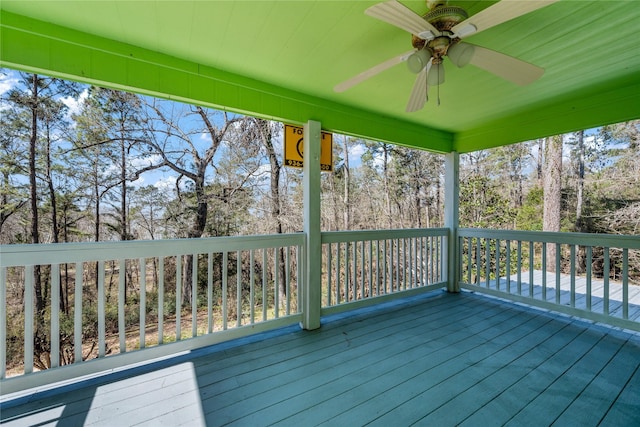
438, 359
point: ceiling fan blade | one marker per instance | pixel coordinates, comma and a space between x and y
503, 11
505, 66
418, 96
397, 14
372, 72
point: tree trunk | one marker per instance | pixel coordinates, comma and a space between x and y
195, 233
580, 183
54, 204
266, 136
385, 169
124, 235
540, 160
552, 194
346, 198
41, 342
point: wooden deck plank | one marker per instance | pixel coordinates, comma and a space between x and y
320, 401
597, 292
499, 375
625, 410
411, 379
317, 380
448, 359
516, 396
567, 387
592, 405
433, 389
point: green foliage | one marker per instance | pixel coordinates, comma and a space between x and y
529, 217
483, 205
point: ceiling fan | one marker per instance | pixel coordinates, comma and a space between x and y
439, 33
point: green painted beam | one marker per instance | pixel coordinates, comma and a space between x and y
36, 46
615, 102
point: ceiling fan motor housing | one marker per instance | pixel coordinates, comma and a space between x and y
443, 18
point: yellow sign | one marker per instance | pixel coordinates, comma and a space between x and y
294, 145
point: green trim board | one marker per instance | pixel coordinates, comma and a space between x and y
281, 60
37, 46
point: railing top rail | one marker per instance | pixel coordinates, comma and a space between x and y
38, 254
583, 239
363, 235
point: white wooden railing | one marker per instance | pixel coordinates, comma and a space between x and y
366, 267
112, 315
126, 294
589, 275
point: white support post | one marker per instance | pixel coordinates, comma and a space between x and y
451, 217
313, 248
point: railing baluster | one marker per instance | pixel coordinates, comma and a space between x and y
287, 281
572, 256
478, 260
122, 327
160, 300
469, 241
531, 267
417, 261
338, 256
354, 282
329, 270
544, 271
225, 273
386, 266
3, 322
252, 311
423, 262
276, 282
588, 262
239, 285
28, 318
370, 247
394, 277
378, 267
210, 291
498, 264
299, 276
101, 311
406, 266
625, 283
347, 273
264, 288
363, 269
77, 314
55, 315
558, 255
487, 250
178, 297
413, 256
508, 266
519, 264
605, 273
437, 254
142, 265
194, 295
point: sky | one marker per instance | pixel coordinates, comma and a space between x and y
162, 179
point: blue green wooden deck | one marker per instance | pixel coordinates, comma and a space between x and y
440, 359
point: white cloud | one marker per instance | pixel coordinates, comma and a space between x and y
74, 104
356, 151
7, 82
167, 183
142, 162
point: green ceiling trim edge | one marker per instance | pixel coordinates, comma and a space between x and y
615, 102
36, 46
